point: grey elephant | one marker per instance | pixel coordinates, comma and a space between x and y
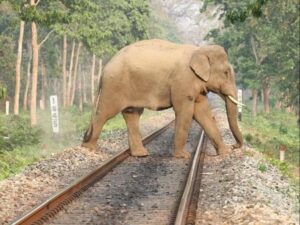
158, 74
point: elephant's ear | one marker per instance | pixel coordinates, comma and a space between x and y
200, 65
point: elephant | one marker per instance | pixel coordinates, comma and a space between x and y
158, 74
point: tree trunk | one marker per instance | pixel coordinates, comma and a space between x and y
18, 68
289, 109
254, 102
75, 73
93, 78
64, 72
25, 99
99, 72
69, 89
266, 93
84, 88
80, 89
43, 92
56, 87
278, 104
35, 62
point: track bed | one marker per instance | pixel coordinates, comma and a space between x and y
138, 191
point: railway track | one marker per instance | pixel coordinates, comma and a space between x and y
157, 189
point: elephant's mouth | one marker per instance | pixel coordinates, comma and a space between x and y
235, 101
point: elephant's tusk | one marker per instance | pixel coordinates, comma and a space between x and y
235, 101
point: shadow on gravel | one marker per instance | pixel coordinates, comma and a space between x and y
135, 187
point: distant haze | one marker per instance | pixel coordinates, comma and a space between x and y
192, 25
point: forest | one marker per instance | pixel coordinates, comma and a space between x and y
56, 47
59, 47
265, 49
63, 39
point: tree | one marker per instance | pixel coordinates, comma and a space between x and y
25, 96
70, 74
75, 74
18, 68
93, 78
64, 70
259, 48
238, 11
45, 16
99, 28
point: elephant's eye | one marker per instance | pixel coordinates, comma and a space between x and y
226, 73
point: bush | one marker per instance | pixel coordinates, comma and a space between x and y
262, 167
15, 131
266, 132
248, 138
12, 162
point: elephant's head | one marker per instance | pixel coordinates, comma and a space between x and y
210, 63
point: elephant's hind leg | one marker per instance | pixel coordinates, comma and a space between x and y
104, 111
131, 117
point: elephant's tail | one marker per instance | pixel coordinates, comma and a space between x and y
88, 134
95, 109
97, 100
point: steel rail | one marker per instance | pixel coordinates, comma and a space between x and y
197, 163
57, 202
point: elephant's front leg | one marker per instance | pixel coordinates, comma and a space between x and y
184, 115
204, 116
134, 137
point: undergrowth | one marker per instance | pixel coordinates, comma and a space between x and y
21, 145
266, 132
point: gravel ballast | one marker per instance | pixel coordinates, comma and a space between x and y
139, 191
242, 187
41, 180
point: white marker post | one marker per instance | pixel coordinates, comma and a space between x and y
240, 99
7, 108
282, 150
54, 114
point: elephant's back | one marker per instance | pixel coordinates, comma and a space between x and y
148, 60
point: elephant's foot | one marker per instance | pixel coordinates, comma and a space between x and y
237, 145
182, 154
224, 150
89, 145
140, 152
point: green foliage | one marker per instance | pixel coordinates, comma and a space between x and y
267, 132
72, 126
239, 11
264, 46
16, 132
283, 166
46, 13
106, 26
262, 167
7, 64
3, 91
9, 20
12, 162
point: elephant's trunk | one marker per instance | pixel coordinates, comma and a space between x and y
231, 109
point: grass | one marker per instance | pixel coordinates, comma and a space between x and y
72, 127
12, 162
266, 132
